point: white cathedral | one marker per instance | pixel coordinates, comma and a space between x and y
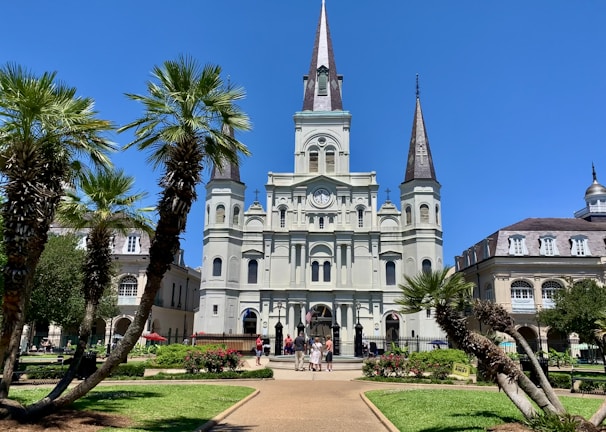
321, 255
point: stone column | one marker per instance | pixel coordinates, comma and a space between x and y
348, 265
293, 264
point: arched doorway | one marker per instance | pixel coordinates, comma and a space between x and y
531, 337
557, 340
392, 327
249, 321
321, 321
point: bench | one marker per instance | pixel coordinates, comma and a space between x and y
576, 384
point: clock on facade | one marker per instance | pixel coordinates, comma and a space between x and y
321, 197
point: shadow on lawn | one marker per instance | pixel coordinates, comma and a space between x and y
110, 401
172, 424
489, 415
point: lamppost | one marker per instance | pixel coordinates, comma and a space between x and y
538, 318
358, 339
300, 326
278, 347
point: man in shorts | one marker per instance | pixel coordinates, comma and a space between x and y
328, 349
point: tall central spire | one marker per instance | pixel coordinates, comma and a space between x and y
322, 85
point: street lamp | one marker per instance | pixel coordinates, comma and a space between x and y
279, 308
358, 350
538, 317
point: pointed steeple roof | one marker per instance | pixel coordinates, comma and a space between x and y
228, 170
420, 163
322, 89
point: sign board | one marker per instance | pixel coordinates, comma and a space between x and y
461, 369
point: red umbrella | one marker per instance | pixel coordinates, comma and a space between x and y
155, 337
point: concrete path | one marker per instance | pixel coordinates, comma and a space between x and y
304, 401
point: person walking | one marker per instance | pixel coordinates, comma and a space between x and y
328, 349
316, 354
259, 349
300, 347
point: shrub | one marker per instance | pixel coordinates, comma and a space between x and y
559, 380
129, 370
241, 374
212, 360
386, 366
45, 372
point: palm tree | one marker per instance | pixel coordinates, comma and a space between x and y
105, 206
44, 129
186, 110
450, 296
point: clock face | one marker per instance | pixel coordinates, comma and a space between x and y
322, 196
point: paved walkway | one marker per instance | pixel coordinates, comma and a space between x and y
304, 401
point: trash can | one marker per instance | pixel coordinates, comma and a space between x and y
87, 366
527, 367
266, 346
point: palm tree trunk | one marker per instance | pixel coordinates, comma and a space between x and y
496, 317
494, 359
517, 398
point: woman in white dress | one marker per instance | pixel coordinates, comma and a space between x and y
316, 354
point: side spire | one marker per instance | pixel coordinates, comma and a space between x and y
420, 163
227, 170
323, 84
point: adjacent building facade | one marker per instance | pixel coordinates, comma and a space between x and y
172, 314
320, 250
522, 265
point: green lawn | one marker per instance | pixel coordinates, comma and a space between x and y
158, 408
457, 410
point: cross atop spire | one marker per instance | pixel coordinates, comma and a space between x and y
418, 92
322, 84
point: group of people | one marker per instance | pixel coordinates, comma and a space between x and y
316, 351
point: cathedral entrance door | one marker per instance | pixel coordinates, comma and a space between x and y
321, 321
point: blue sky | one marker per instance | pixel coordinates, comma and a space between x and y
513, 93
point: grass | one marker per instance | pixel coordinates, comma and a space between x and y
457, 410
155, 408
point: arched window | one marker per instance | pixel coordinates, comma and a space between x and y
326, 272
408, 215
521, 290
330, 161
220, 215
236, 218
437, 215
313, 161
549, 288
424, 212
217, 264
390, 273
282, 218
253, 268
360, 218
128, 286
426, 266
315, 271
321, 223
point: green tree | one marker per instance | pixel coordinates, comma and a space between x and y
46, 131
576, 309
103, 204
450, 297
56, 296
188, 117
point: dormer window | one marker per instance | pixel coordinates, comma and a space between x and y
517, 245
579, 246
132, 245
548, 246
323, 81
